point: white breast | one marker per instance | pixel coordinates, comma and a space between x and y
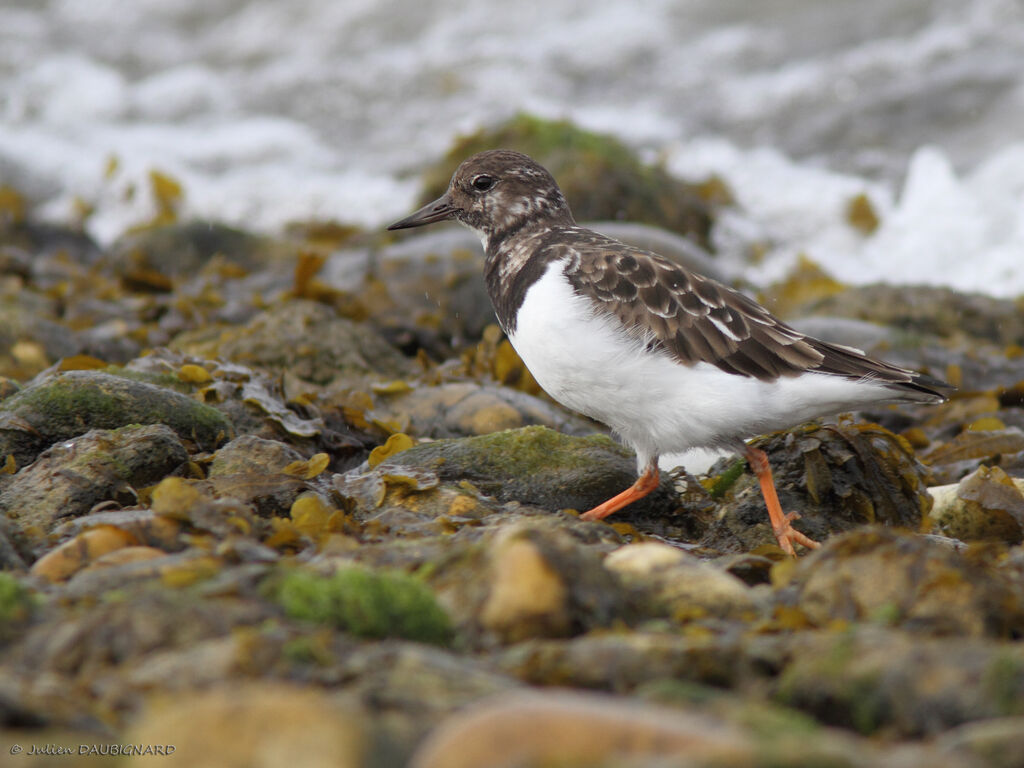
590, 364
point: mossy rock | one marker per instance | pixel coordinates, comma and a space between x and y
66, 405
182, 249
538, 466
16, 605
873, 679
364, 602
601, 177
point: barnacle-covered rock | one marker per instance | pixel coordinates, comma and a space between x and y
71, 477
898, 579
985, 505
837, 477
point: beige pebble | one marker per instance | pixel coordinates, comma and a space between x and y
252, 725
562, 728
70, 557
527, 596
682, 585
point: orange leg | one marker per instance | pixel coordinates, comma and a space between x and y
784, 532
644, 484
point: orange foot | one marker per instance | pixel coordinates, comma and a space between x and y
644, 484
786, 534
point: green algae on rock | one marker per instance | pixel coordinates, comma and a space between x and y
16, 605
181, 250
66, 405
538, 466
364, 602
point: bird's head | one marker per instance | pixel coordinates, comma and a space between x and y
496, 193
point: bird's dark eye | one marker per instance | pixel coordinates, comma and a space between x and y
483, 182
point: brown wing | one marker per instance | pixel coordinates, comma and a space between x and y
696, 319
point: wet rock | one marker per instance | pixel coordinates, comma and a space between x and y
8, 387
132, 566
622, 661
577, 729
559, 727
537, 466
465, 409
410, 688
249, 453
256, 405
69, 663
542, 583
930, 310
255, 723
678, 586
267, 493
923, 319
871, 679
45, 240
424, 293
63, 406
71, 477
985, 505
910, 581
31, 338
600, 177
395, 500
837, 477
180, 250
996, 743
975, 448
308, 340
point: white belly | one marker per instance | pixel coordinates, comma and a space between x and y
591, 365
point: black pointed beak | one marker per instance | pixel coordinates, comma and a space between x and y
439, 210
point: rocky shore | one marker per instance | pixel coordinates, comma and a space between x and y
298, 497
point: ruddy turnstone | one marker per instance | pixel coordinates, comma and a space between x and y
667, 358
